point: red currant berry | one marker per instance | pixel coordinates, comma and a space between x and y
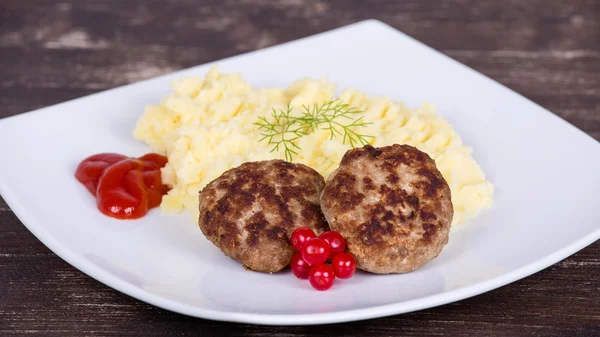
299, 267
336, 242
321, 277
300, 236
315, 251
344, 265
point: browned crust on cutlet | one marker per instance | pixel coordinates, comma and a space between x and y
391, 204
250, 211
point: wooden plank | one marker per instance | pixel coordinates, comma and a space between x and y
454, 24
3, 206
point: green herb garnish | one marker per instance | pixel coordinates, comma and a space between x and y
284, 128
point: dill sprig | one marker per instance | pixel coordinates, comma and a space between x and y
284, 129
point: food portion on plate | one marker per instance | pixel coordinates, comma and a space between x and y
206, 126
251, 163
383, 210
125, 188
392, 205
250, 212
313, 254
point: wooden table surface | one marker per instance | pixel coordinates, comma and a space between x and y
50, 52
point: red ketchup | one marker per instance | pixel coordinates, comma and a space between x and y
125, 188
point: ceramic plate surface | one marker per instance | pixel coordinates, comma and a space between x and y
546, 174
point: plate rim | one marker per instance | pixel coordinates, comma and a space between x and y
429, 301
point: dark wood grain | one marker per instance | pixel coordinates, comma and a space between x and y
3, 205
51, 51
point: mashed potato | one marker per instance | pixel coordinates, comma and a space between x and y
205, 127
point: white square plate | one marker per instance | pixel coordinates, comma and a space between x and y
546, 174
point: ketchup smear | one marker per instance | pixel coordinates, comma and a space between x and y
124, 187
